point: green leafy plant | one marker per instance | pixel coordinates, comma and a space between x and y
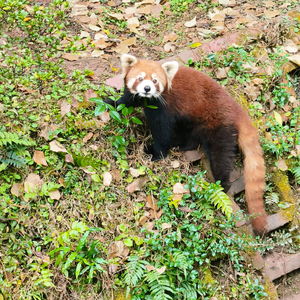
12, 147
86, 258
296, 173
166, 268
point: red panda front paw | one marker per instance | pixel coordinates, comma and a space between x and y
149, 149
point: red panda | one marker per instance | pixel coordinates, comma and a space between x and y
192, 108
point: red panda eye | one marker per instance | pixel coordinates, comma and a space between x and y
154, 80
141, 78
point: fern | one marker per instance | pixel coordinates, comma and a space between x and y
160, 286
85, 160
14, 159
71, 178
180, 261
10, 138
217, 197
220, 200
135, 271
296, 172
189, 292
13, 147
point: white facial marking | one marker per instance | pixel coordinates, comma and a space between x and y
130, 83
146, 89
161, 87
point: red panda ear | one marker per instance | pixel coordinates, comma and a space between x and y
170, 68
127, 61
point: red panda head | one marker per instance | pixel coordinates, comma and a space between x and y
147, 78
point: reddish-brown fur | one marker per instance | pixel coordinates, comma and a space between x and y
204, 99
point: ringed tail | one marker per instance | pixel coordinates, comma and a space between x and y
254, 174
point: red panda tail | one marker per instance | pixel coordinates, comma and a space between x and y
254, 173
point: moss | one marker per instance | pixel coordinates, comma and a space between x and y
294, 14
259, 52
234, 92
120, 294
282, 183
270, 289
246, 36
208, 279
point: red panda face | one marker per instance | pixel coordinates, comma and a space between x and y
147, 78
146, 85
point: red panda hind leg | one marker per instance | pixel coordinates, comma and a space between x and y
221, 147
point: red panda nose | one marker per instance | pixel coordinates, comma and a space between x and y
147, 88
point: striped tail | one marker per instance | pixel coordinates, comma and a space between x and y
254, 173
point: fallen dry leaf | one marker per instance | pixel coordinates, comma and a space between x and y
191, 23
94, 27
144, 10
55, 146
161, 270
16, 189
122, 49
100, 44
134, 172
70, 56
175, 164
112, 269
165, 226
178, 188
137, 185
84, 34
269, 4
150, 226
116, 16
129, 11
114, 3
33, 182
149, 268
45, 131
65, 107
143, 220
169, 47
151, 203
89, 94
62, 182
156, 10
104, 117
44, 258
39, 158
129, 42
133, 22
87, 137
79, 10
221, 73
107, 179
97, 53
292, 48
117, 249
277, 117
282, 165
271, 13
69, 158
54, 195
172, 37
